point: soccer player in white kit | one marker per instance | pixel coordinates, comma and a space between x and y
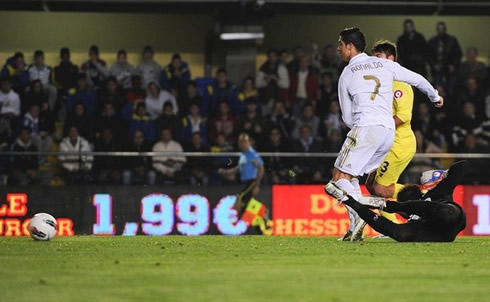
365, 92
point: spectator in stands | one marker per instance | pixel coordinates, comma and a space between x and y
221, 90
111, 94
472, 67
272, 79
138, 168
24, 167
308, 118
220, 145
412, 48
82, 93
109, 119
277, 167
334, 141
15, 68
80, 120
224, 122
76, 167
474, 94
141, 120
471, 145
66, 73
293, 65
122, 70
332, 121
4, 160
423, 119
168, 119
282, 120
9, 99
303, 86
333, 144
307, 168
39, 129
326, 94
190, 97
149, 69
196, 167
168, 166
34, 96
466, 124
175, 76
156, 100
478, 170
107, 168
252, 123
136, 93
39, 71
284, 57
483, 132
327, 62
9, 108
95, 68
247, 91
419, 165
193, 123
444, 56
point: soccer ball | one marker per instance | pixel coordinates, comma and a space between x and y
43, 227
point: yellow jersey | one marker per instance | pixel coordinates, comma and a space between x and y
402, 108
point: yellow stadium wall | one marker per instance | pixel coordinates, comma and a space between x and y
49, 31
28, 31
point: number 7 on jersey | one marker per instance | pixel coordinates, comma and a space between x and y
376, 88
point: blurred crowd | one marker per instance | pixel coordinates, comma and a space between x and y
290, 105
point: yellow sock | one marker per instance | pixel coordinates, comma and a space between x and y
398, 187
389, 216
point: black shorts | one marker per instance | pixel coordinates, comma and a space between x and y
246, 193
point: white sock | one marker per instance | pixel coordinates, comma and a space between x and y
351, 190
356, 194
346, 185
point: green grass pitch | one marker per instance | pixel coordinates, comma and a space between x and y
247, 268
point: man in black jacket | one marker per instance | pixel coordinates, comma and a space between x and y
138, 168
444, 57
412, 49
24, 167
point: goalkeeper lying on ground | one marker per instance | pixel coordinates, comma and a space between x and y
437, 217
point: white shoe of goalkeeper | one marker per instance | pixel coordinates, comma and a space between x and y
373, 202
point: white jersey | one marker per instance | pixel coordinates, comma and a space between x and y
9, 103
366, 90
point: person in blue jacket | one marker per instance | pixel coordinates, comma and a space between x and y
220, 90
175, 76
141, 120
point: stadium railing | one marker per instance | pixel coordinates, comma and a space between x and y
236, 154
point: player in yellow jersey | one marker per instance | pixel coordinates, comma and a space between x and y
383, 182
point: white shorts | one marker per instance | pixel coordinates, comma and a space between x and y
364, 149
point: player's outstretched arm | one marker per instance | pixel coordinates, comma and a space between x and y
405, 75
444, 190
